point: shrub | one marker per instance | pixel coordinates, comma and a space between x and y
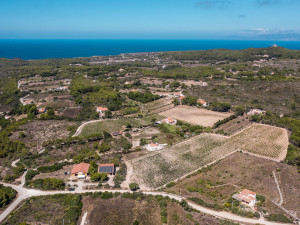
133, 186
171, 184
279, 218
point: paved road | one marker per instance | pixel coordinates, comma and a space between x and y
24, 193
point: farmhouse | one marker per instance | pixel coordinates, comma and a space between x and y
42, 110
247, 197
169, 120
107, 168
128, 82
26, 102
255, 112
154, 147
101, 111
202, 102
177, 94
7, 117
80, 170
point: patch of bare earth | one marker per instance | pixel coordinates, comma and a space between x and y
177, 215
120, 211
59, 174
37, 132
245, 171
195, 115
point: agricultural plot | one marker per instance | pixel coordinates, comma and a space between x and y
115, 125
196, 116
267, 141
159, 168
156, 169
158, 106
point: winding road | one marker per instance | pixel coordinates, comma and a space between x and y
24, 193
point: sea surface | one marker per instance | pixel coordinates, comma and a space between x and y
43, 49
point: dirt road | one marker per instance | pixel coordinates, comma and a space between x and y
24, 193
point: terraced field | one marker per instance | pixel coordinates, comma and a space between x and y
159, 168
158, 106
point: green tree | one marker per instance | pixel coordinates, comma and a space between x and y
133, 186
104, 147
239, 110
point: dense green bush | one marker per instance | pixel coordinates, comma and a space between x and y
220, 106
47, 184
7, 195
142, 97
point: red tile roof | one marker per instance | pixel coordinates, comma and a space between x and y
247, 192
81, 167
102, 108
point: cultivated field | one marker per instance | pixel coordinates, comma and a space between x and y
115, 125
159, 168
194, 115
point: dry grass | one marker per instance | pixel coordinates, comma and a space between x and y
115, 125
195, 115
159, 168
249, 172
37, 132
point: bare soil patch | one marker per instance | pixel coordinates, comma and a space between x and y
195, 115
120, 211
70, 112
59, 174
37, 132
245, 171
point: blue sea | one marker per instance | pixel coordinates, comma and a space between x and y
43, 49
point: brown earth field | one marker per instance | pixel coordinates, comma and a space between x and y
119, 210
235, 125
195, 115
70, 112
37, 132
59, 174
218, 182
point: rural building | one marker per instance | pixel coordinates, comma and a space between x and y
177, 94
80, 170
133, 90
128, 82
202, 102
255, 112
26, 102
154, 147
247, 197
42, 110
170, 120
7, 117
107, 168
101, 111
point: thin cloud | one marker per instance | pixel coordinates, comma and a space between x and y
210, 4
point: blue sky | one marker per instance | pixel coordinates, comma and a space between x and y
150, 19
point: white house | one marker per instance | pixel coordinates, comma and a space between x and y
247, 197
255, 112
202, 102
101, 111
155, 147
